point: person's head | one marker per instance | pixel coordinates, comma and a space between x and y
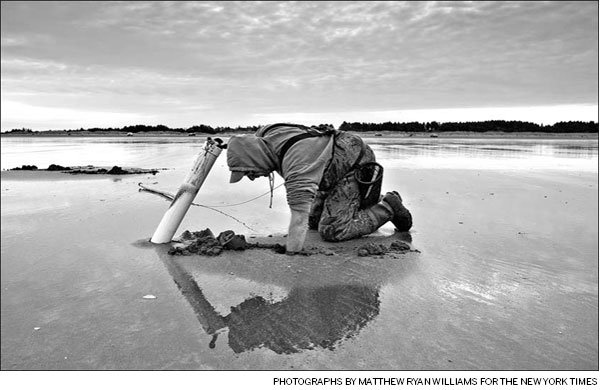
248, 155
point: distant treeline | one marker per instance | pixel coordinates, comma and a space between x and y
150, 129
410, 127
479, 127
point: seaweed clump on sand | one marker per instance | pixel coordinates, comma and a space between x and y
56, 167
205, 243
25, 168
87, 170
115, 170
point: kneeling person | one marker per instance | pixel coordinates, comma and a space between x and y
318, 165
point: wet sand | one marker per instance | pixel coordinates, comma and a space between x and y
505, 278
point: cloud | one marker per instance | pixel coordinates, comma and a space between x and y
262, 57
53, 118
13, 41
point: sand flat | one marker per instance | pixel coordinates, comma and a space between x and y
506, 278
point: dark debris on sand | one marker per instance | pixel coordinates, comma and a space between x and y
87, 170
25, 168
115, 170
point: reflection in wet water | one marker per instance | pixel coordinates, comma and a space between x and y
307, 318
143, 151
514, 154
154, 151
574, 149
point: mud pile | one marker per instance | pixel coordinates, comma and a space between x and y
375, 249
205, 243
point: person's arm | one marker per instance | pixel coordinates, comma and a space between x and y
297, 231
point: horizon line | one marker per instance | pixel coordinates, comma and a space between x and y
122, 128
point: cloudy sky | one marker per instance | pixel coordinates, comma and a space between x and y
67, 65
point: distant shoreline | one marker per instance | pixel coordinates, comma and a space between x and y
366, 134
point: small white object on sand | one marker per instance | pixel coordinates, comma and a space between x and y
149, 296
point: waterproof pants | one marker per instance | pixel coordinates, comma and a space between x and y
336, 211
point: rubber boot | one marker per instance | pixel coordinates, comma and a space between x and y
380, 213
402, 218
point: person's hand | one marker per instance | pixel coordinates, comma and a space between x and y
297, 231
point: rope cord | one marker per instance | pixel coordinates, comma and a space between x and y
250, 200
170, 197
227, 215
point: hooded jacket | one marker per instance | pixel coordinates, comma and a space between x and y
301, 167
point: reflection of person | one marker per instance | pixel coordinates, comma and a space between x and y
318, 165
305, 319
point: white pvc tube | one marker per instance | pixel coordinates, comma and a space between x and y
187, 192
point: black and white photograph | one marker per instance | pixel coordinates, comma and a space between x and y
293, 194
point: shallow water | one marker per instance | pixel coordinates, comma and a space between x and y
506, 277
174, 152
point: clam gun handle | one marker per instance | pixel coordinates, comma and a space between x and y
187, 191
